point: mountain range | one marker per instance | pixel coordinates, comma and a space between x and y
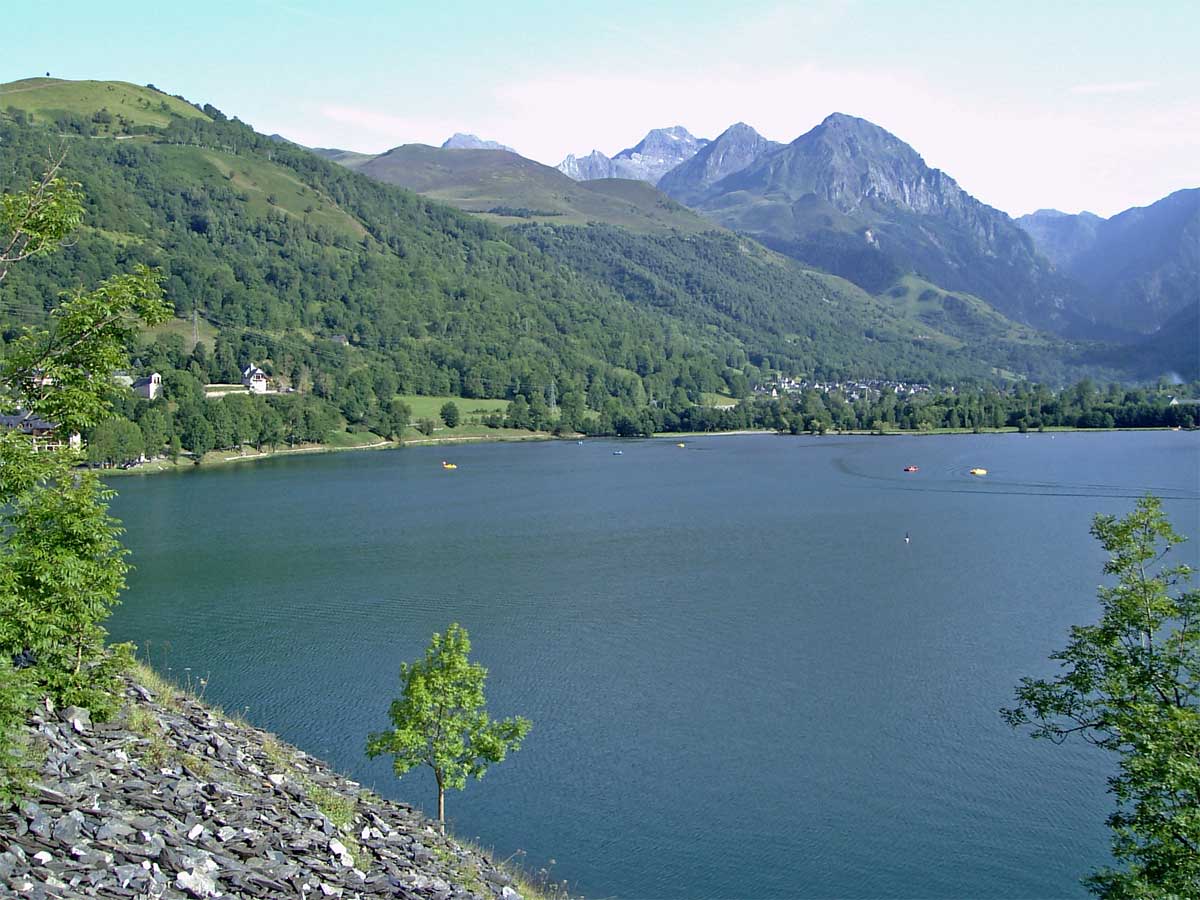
650, 159
510, 188
1140, 268
929, 267
850, 198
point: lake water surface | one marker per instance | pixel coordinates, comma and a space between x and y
743, 681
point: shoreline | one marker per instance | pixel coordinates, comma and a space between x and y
162, 465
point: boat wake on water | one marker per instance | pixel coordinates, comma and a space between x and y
973, 479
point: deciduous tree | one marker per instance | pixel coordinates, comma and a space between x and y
61, 563
1131, 685
439, 719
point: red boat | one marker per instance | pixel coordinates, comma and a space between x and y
911, 469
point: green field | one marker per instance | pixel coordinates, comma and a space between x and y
183, 328
424, 407
710, 399
430, 407
343, 440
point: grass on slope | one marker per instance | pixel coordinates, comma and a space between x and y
44, 98
183, 328
425, 407
962, 315
270, 187
510, 189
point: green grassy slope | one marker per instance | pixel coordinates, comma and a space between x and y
45, 99
509, 188
348, 158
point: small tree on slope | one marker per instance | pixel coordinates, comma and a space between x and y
439, 719
1131, 684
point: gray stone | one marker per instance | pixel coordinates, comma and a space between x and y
197, 884
69, 828
78, 717
41, 825
112, 828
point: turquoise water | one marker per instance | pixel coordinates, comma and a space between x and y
743, 681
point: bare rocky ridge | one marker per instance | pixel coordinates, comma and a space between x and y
460, 141
660, 151
734, 149
175, 800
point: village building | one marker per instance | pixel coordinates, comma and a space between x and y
255, 379
44, 434
149, 387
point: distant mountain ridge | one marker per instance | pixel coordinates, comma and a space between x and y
1060, 236
1142, 266
736, 148
660, 151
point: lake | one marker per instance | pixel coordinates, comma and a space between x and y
744, 682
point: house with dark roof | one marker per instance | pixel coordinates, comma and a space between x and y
255, 379
44, 434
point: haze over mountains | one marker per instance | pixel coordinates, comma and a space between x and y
1141, 267
853, 199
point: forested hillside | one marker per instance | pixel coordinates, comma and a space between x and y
349, 292
799, 320
281, 250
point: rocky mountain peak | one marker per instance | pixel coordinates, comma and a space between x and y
587, 168
849, 162
734, 149
460, 141
661, 150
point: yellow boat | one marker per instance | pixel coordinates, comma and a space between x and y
449, 465
978, 471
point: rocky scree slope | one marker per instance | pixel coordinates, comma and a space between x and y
173, 799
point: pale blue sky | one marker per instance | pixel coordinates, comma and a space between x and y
1075, 105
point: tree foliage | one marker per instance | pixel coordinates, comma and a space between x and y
34, 222
1131, 685
439, 719
61, 562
